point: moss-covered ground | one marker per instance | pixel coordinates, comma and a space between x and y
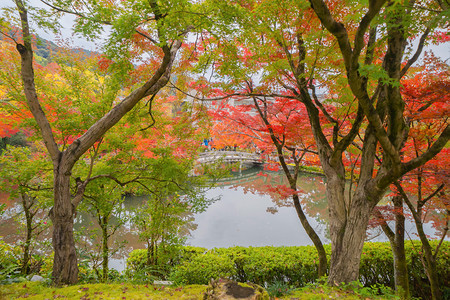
34, 290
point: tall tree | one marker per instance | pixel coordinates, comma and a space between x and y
278, 43
427, 106
384, 109
160, 34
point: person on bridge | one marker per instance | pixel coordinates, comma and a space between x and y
207, 144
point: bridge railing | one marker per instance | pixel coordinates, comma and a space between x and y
229, 156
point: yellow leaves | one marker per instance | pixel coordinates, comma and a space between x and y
2, 93
54, 77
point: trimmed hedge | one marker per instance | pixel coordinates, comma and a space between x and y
167, 259
294, 265
203, 267
297, 266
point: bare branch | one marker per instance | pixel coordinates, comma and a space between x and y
416, 55
439, 188
437, 146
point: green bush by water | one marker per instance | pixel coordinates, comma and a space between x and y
273, 267
297, 266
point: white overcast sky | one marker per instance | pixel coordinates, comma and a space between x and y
442, 50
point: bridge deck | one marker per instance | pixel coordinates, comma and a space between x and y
229, 156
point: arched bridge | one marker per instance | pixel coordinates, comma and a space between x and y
229, 157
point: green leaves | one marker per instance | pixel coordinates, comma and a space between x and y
376, 72
25, 172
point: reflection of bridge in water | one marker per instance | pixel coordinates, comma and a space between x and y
230, 157
242, 177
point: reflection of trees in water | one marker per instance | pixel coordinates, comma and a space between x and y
253, 180
311, 187
87, 230
126, 237
13, 228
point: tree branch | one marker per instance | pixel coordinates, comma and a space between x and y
152, 86
437, 146
416, 55
27, 75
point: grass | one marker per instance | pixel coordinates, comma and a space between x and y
36, 290
322, 292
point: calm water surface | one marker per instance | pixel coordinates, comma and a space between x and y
248, 214
242, 219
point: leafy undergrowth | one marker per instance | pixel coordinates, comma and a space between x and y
34, 290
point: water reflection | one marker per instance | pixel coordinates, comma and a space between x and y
241, 219
249, 213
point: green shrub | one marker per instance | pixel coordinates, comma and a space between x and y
137, 267
9, 262
418, 280
200, 269
278, 289
266, 265
352, 290
297, 266
136, 259
377, 265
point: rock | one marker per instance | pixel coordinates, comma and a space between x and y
228, 289
162, 282
37, 278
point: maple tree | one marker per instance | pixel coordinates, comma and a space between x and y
389, 108
278, 125
279, 43
164, 221
424, 189
152, 41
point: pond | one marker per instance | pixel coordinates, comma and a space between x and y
248, 214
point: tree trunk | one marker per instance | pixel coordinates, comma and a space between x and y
348, 224
397, 241
401, 270
430, 259
26, 248
149, 255
65, 268
430, 263
155, 254
398, 249
105, 249
432, 274
313, 236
